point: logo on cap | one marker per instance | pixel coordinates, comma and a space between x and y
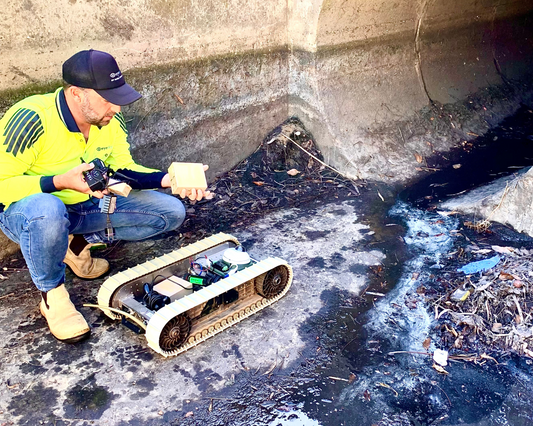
115, 76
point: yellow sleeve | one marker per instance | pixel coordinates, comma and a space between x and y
20, 130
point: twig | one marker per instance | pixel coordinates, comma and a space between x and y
6, 295
315, 158
409, 352
519, 310
385, 385
444, 394
348, 343
338, 378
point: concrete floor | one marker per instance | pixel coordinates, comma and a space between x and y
115, 379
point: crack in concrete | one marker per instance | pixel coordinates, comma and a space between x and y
418, 57
493, 43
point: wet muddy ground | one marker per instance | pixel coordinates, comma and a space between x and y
322, 355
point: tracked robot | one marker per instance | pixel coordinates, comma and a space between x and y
182, 298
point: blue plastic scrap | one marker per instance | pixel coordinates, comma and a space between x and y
480, 265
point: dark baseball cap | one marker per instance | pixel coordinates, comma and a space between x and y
93, 69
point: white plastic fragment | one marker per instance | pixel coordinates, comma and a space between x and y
440, 357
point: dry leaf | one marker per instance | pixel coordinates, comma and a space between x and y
456, 166
259, 183
293, 172
415, 276
189, 414
179, 99
351, 378
439, 369
366, 394
418, 157
502, 250
496, 327
505, 276
426, 343
421, 290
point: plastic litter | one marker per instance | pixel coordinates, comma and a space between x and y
460, 295
440, 357
480, 265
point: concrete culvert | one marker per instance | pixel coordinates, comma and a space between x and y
382, 92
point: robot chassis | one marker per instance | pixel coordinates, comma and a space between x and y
184, 297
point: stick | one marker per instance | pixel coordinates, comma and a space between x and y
315, 158
409, 352
338, 378
6, 295
519, 310
372, 293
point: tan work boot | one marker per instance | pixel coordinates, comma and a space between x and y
83, 265
64, 321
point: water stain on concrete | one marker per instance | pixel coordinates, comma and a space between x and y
358, 269
336, 261
317, 262
204, 379
86, 400
34, 404
132, 355
315, 235
144, 387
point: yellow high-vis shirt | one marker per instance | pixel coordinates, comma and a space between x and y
39, 139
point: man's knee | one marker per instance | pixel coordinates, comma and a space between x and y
47, 213
47, 207
174, 213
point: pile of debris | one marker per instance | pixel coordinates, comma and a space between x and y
287, 170
486, 306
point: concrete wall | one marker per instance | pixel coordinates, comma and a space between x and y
379, 83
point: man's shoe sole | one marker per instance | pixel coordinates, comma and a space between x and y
75, 339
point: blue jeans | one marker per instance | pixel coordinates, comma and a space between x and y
41, 224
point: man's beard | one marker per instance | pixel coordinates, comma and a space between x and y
91, 116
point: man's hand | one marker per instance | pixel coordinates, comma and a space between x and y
194, 194
73, 179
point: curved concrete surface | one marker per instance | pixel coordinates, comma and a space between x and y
367, 89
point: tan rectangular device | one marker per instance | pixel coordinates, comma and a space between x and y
174, 287
187, 176
118, 188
